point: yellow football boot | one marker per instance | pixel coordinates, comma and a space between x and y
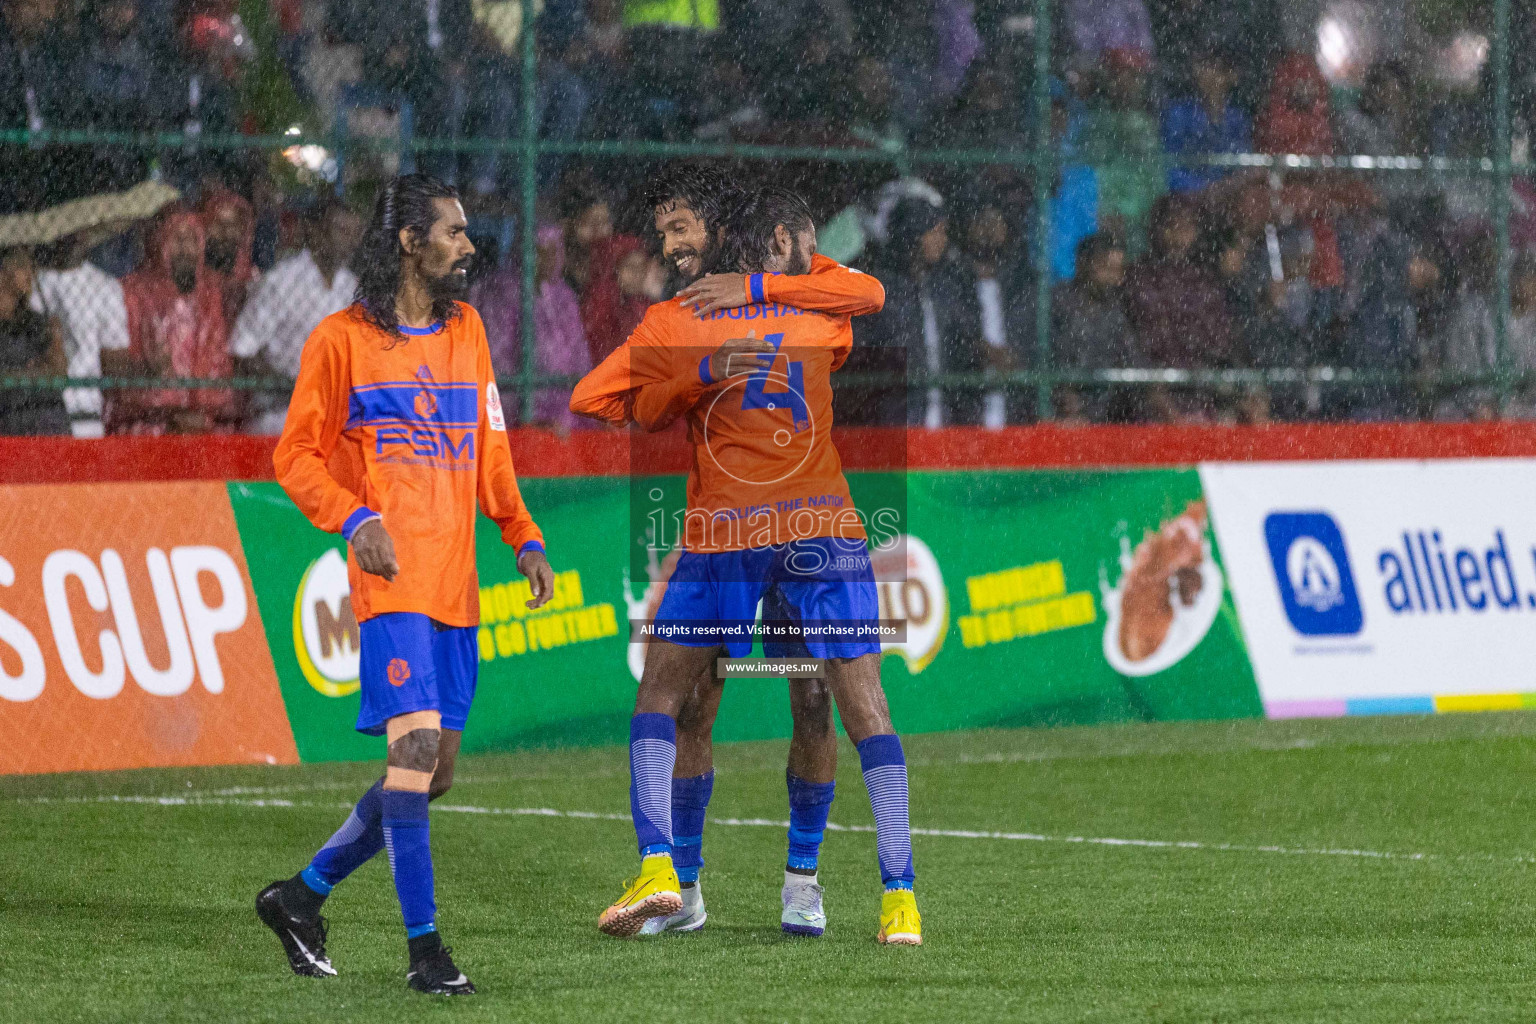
900, 923
656, 893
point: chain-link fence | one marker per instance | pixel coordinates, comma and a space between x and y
1146, 210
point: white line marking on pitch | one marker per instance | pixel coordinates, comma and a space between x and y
944, 833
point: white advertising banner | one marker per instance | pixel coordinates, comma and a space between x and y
1382, 586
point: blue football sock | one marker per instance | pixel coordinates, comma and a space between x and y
652, 754
409, 842
359, 838
809, 803
885, 776
690, 799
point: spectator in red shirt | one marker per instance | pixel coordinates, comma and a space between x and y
230, 226
625, 281
614, 278
176, 328
1296, 120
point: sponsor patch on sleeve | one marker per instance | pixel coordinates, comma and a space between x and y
493, 408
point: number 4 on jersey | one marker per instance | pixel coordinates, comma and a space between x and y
755, 397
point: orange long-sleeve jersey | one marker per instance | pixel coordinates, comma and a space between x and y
764, 470
409, 429
829, 287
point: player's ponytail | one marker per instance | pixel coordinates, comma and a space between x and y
404, 204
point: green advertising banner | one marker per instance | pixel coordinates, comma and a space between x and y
1072, 598
1033, 597
558, 677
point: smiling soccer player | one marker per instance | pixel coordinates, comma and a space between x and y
759, 412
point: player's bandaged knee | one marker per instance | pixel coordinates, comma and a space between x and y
416, 751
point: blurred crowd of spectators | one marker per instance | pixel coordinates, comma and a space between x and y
1149, 262
195, 306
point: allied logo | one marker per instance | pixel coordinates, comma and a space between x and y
1314, 575
1312, 571
399, 671
426, 405
326, 638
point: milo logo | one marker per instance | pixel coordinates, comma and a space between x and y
911, 587
908, 581
325, 634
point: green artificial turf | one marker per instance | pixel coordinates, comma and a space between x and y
113, 910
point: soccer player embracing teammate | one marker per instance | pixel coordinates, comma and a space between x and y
769, 519
394, 435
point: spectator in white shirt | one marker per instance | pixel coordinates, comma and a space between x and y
290, 301
88, 304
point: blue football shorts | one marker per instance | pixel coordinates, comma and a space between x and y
822, 586
411, 662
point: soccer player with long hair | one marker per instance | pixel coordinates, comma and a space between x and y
395, 435
759, 412
689, 203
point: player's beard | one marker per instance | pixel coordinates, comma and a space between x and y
452, 285
799, 259
706, 262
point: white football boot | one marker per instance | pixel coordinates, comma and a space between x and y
689, 919
803, 913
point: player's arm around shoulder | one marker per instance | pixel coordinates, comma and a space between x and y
499, 496
608, 392
603, 393
678, 366
849, 291
829, 287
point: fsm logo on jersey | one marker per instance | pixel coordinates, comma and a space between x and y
1311, 565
